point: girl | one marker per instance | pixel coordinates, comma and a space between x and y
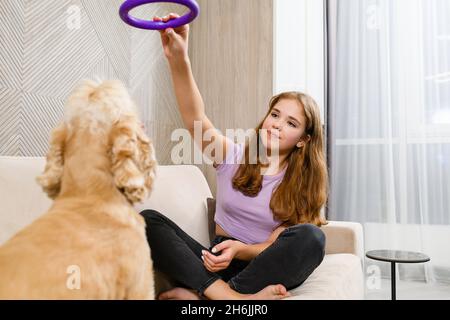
268, 239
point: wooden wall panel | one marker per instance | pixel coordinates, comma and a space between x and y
231, 50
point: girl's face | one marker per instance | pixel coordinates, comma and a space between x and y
285, 124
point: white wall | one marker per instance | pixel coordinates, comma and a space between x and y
299, 48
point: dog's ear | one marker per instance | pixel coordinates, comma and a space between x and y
147, 159
50, 180
132, 160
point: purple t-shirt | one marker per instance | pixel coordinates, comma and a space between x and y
244, 218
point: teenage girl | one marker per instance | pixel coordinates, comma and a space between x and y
268, 236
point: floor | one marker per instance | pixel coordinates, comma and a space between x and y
409, 290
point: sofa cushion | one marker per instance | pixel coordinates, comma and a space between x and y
21, 199
180, 193
338, 277
211, 223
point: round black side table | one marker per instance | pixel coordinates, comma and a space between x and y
394, 257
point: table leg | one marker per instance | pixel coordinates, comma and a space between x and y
393, 281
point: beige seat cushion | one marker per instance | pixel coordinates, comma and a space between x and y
21, 199
338, 277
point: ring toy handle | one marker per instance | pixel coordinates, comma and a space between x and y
128, 5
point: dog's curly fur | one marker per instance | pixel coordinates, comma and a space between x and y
99, 163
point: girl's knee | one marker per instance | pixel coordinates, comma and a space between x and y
309, 234
151, 216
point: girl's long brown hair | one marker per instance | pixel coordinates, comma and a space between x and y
304, 189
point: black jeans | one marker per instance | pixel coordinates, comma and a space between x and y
288, 261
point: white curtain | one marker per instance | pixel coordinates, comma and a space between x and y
389, 127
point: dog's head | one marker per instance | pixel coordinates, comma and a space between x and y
104, 109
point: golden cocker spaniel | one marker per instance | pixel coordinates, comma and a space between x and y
91, 244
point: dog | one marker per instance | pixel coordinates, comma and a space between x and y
91, 244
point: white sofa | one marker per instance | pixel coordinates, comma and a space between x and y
181, 193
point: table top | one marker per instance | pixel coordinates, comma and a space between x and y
398, 256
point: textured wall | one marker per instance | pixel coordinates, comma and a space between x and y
42, 57
43, 54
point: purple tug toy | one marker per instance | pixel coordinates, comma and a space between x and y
128, 5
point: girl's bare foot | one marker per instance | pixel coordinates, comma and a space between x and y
179, 294
220, 290
273, 292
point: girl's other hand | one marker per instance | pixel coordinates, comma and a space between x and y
228, 249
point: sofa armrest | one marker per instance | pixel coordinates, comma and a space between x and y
344, 237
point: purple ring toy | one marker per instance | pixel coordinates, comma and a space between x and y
128, 5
